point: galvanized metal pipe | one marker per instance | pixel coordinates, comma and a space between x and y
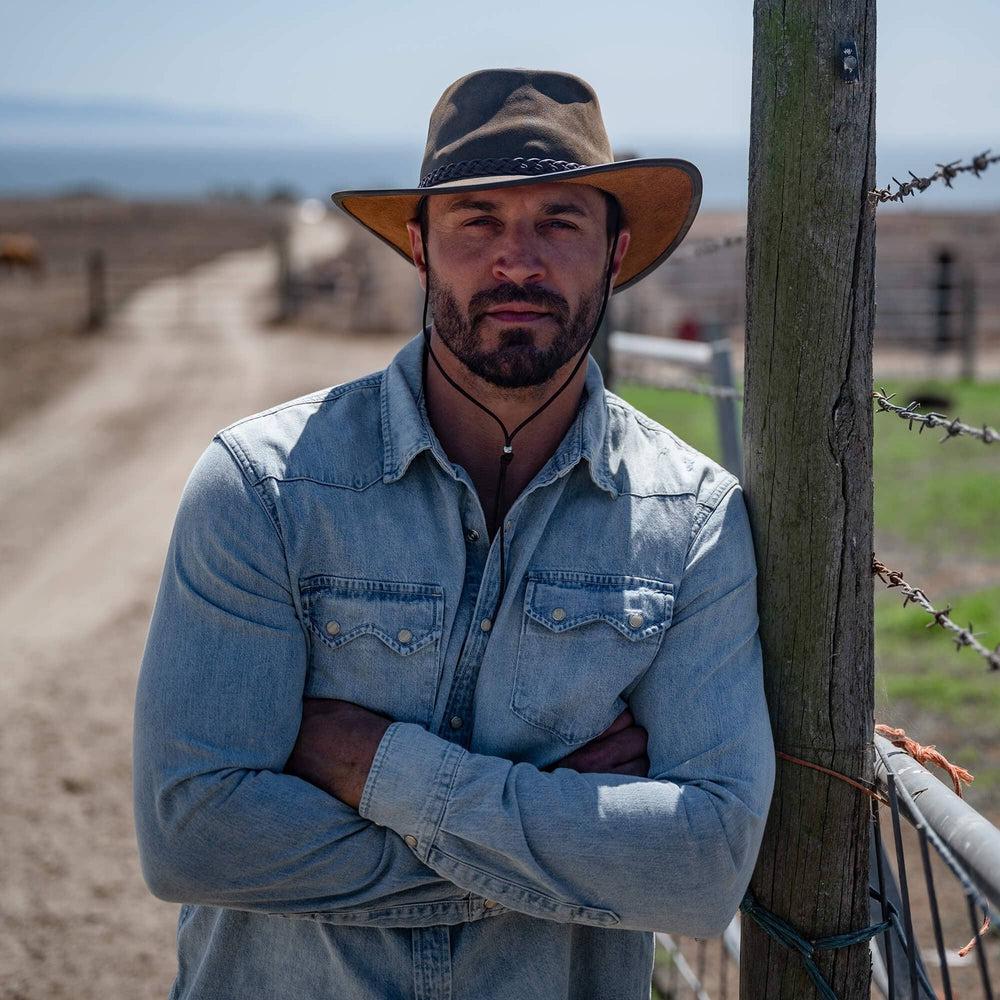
970, 837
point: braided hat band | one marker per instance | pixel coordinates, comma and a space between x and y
496, 166
507, 127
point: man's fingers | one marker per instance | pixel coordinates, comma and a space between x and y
619, 747
624, 720
638, 767
608, 752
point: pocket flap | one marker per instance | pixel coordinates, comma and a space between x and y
636, 607
404, 616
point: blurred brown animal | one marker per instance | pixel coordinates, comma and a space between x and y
19, 251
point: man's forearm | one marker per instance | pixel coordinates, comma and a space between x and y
587, 848
336, 746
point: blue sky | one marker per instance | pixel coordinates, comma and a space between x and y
353, 70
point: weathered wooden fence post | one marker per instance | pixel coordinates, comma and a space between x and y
97, 292
808, 472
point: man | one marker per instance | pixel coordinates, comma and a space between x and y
453, 686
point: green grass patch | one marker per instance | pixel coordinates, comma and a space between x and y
935, 505
690, 417
940, 497
922, 667
938, 693
932, 497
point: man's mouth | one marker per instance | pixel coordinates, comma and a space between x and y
512, 314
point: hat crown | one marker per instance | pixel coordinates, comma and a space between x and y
524, 116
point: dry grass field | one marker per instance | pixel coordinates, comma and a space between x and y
43, 345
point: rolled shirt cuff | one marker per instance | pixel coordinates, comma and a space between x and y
409, 783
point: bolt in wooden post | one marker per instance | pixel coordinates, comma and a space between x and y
808, 472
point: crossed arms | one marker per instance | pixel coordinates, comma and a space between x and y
219, 711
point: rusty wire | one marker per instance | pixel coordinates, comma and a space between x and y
960, 636
946, 172
952, 427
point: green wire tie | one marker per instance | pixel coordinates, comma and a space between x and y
784, 932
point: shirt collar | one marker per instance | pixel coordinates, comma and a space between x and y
406, 429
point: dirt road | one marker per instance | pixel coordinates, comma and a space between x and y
90, 486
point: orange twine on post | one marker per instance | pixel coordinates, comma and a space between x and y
870, 792
926, 755
922, 755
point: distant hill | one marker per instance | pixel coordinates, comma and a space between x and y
28, 120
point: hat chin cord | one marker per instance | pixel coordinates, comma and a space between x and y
507, 452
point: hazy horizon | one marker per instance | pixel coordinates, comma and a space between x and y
132, 97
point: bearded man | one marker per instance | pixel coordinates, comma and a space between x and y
453, 686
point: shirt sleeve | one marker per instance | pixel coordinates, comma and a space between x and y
670, 852
217, 712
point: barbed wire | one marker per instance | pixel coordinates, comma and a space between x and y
946, 172
705, 247
960, 636
698, 388
953, 427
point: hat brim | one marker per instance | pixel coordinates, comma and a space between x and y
659, 199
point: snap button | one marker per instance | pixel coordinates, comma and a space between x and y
488, 904
486, 624
558, 614
410, 840
333, 628
472, 535
455, 722
404, 635
636, 620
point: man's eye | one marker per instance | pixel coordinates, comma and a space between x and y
483, 218
560, 224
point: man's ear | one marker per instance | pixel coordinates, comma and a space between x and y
417, 251
624, 238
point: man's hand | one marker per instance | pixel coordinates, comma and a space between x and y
620, 749
336, 746
338, 739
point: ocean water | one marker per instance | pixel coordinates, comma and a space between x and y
317, 171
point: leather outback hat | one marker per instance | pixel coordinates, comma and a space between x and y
500, 128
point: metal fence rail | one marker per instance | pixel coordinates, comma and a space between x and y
712, 358
965, 841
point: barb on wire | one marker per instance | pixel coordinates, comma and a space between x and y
960, 636
952, 427
705, 247
946, 172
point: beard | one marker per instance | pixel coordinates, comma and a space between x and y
516, 363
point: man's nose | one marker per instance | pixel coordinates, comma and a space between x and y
517, 258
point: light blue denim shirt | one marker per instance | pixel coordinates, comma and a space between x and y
329, 548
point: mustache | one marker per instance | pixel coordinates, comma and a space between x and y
509, 292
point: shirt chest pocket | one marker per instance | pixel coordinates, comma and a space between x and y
585, 638
376, 643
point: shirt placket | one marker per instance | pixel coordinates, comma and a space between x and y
479, 591
431, 963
